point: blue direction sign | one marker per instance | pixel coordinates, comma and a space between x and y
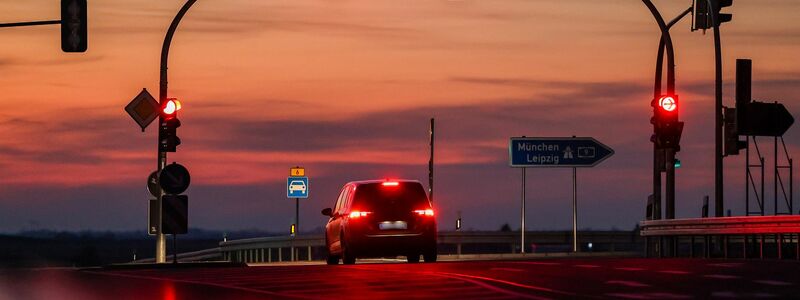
556, 152
297, 187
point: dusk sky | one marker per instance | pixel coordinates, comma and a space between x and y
346, 89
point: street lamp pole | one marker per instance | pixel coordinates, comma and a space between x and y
161, 245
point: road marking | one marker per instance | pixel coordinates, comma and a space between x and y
649, 296
536, 263
511, 283
721, 276
773, 282
630, 269
674, 272
587, 266
507, 269
627, 283
726, 265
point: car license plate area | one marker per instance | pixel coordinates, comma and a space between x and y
392, 225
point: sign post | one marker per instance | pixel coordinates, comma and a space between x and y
297, 187
556, 152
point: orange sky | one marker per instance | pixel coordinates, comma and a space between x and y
359, 79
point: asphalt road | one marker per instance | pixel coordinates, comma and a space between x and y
603, 278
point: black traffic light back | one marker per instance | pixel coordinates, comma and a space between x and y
744, 78
701, 14
718, 5
73, 26
168, 139
732, 143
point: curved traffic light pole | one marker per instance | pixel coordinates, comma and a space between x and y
161, 246
660, 156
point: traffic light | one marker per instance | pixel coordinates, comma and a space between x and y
718, 5
732, 142
168, 140
667, 128
701, 14
73, 26
293, 230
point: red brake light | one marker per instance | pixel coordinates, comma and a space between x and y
391, 183
357, 214
424, 212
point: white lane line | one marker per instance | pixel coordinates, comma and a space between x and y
507, 269
722, 276
773, 282
627, 283
726, 265
630, 269
649, 296
674, 272
587, 266
536, 263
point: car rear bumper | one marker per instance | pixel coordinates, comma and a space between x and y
377, 244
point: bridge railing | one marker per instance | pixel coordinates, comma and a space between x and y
743, 237
311, 247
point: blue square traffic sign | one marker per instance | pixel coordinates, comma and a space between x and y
297, 187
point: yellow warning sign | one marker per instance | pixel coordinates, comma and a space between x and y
297, 171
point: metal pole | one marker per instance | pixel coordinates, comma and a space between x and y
747, 178
718, 183
775, 176
296, 216
161, 247
34, 23
522, 226
174, 248
670, 185
574, 210
430, 165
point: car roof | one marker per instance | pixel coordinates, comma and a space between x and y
362, 182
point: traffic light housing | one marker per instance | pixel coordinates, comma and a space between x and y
717, 6
701, 13
667, 128
732, 143
73, 26
168, 139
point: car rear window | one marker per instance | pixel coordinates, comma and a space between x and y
377, 197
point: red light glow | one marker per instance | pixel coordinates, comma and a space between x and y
668, 103
391, 183
358, 214
172, 106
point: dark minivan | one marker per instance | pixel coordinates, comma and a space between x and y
380, 218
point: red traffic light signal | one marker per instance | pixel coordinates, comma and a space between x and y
171, 107
668, 103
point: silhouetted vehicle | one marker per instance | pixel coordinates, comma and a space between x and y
380, 218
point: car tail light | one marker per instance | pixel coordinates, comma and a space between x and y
424, 212
358, 214
391, 183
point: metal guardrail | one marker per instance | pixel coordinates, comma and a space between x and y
311, 247
269, 249
746, 236
722, 226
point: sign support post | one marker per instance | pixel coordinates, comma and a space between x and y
522, 226
556, 152
574, 209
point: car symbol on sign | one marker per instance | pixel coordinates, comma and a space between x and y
297, 186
